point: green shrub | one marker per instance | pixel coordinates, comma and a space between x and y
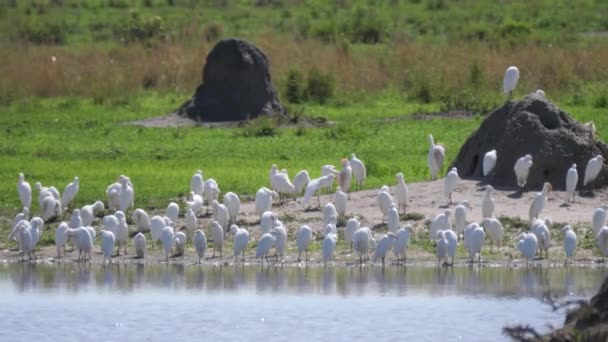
138, 29
514, 29
39, 32
262, 126
601, 101
476, 75
467, 100
366, 26
319, 86
294, 86
118, 3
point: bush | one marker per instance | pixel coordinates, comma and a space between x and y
138, 29
262, 126
514, 29
601, 101
118, 3
213, 32
38, 32
367, 27
319, 86
476, 75
294, 86
467, 100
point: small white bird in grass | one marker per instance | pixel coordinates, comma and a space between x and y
200, 244
510, 80
112, 192
167, 237
602, 241
401, 192
141, 219
400, 244
359, 171
392, 219
340, 202
241, 239
441, 248
233, 204
265, 244
329, 246
439, 222
329, 212
460, 217
172, 212
300, 181
51, 208
363, 241
25, 191
61, 238
281, 184
180, 243
263, 200
107, 245
570, 242
44, 192
195, 202
217, 233
451, 182
435, 158
121, 232
452, 240
191, 222
313, 188
211, 192
594, 166
280, 242
385, 244
139, 241
220, 213
273, 171
538, 204
345, 176
571, 181
384, 201
527, 245
327, 170
88, 212
474, 237
351, 227
522, 170
543, 237
540, 92
76, 220
70, 192
489, 162
494, 230
126, 196
487, 203
303, 239
599, 218
196, 183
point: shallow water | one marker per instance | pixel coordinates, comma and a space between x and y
71, 302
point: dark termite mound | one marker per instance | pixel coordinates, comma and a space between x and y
236, 85
537, 127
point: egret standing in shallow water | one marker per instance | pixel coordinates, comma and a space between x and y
451, 182
200, 244
384, 245
107, 245
594, 166
265, 244
241, 239
303, 239
349, 231
441, 247
510, 80
571, 181
489, 162
400, 244
139, 241
217, 233
569, 242
474, 236
527, 245
435, 157
329, 245
167, 236
522, 169
25, 191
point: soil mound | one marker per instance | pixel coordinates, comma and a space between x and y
236, 85
537, 127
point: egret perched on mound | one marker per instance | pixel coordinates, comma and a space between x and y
400, 244
196, 183
527, 245
599, 218
495, 231
522, 169
359, 171
537, 205
241, 239
489, 162
460, 217
540, 92
200, 244
345, 176
303, 239
88, 212
571, 181
351, 227
313, 187
435, 158
300, 181
329, 245
474, 236
25, 191
439, 222
141, 219
233, 204
510, 80
217, 233
172, 212
487, 204
265, 244
569, 242
107, 245
384, 245
139, 241
451, 182
70, 192
263, 200
594, 166
340, 202
401, 192
384, 201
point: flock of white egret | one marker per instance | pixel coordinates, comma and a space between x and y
164, 229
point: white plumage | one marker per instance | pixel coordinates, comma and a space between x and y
494, 230
195, 202
200, 244
570, 242
401, 192
359, 171
212, 191
107, 245
538, 204
263, 200
543, 237
599, 218
313, 187
51, 208
441, 247
44, 192
61, 238
392, 219
460, 217
121, 232
70, 192
26, 241
241, 239
88, 212
571, 181
489, 162
139, 241
474, 237
329, 245
233, 204
384, 201
84, 243
157, 223
166, 237
196, 183
280, 242
602, 241
190, 222
400, 244
351, 227
522, 169
487, 203
25, 191
451, 182
527, 245
300, 181
594, 166
281, 183
435, 157
510, 80
141, 219
268, 221
439, 222
303, 239
265, 244
329, 214
24, 215
385, 244
180, 243
217, 233
452, 240
126, 196
340, 202
363, 241
172, 212
345, 176
540, 92
220, 214
76, 220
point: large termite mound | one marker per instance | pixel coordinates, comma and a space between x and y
537, 127
236, 85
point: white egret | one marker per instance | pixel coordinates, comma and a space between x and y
392, 219
76, 220
349, 231
474, 235
217, 233
435, 157
172, 212
510, 80
241, 239
400, 244
196, 183
195, 202
280, 242
452, 240
363, 241
211, 191
281, 184
139, 241
51, 208
200, 244
141, 219
300, 181
121, 232
527, 244
460, 217
268, 221
594, 166
599, 218
345, 176
26, 243
303, 239
522, 169
571, 181
440, 222
180, 243
441, 248
220, 214
489, 162
494, 230
191, 222
543, 236
25, 191
70, 192
88, 212
359, 171
540, 92
384, 245
265, 244
233, 204
329, 245
602, 241
384, 201
313, 187
157, 223
570, 242
401, 192
487, 203
538, 204
107, 245
166, 237
451, 182
263, 200
44, 192
126, 196
61, 238
84, 243
329, 211
340, 202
